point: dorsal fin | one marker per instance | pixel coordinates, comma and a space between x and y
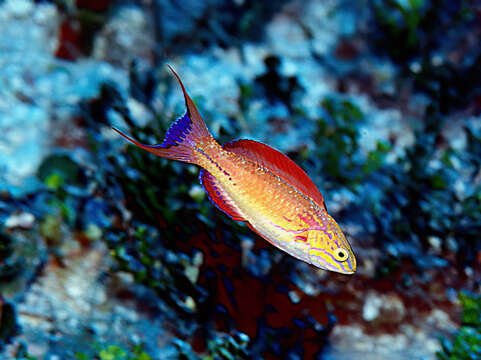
279, 164
198, 124
218, 196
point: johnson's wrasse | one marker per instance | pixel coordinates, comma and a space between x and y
257, 184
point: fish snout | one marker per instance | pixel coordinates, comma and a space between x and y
351, 264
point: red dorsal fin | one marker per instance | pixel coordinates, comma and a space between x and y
279, 164
218, 196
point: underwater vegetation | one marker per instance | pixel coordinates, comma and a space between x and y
426, 38
340, 160
409, 29
466, 342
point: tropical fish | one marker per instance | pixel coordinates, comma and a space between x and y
254, 183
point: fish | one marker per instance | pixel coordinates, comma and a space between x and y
257, 184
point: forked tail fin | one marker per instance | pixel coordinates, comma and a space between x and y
183, 137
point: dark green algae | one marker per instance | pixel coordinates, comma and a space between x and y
466, 342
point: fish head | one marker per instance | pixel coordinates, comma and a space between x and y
330, 250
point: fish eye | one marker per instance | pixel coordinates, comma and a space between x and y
340, 254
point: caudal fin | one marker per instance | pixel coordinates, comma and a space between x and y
185, 135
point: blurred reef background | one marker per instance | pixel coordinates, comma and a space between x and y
108, 252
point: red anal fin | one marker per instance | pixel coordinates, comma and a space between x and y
279, 164
218, 196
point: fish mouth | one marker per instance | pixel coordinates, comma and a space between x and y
348, 271
339, 271
351, 267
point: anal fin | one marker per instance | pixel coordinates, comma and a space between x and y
218, 196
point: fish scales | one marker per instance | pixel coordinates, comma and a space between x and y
260, 194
